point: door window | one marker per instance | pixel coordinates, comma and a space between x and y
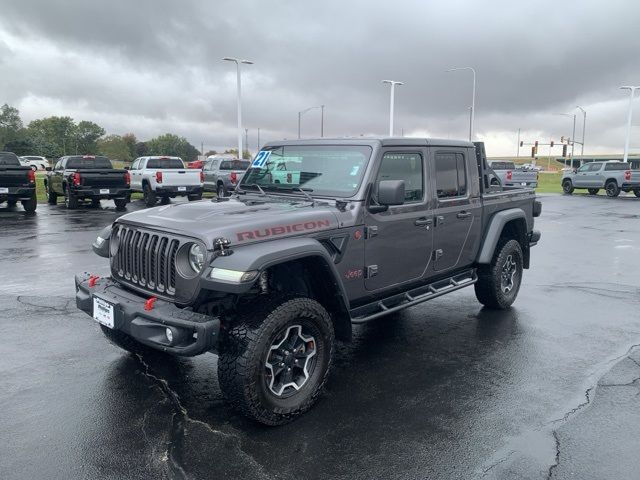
451, 175
135, 165
407, 167
594, 167
585, 168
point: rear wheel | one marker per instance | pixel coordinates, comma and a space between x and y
149, 195
70, 200
612, 188
165, 200
221, 191
275, 360
95, 202
52, 197
12, 202
31, 204
593, 191
499, 282
567, 187
121, 203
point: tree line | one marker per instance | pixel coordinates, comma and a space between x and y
54, 137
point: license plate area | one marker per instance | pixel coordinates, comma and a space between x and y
182, 189
4, 190
103, 312
104, 191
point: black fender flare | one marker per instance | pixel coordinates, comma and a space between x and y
494, 230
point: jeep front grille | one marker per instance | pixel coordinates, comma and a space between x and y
145, 259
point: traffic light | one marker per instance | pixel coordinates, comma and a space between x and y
551, 144
535, 146
533, 152
521, 143
564, 150
561, 139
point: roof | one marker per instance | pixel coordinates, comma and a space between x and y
378, 141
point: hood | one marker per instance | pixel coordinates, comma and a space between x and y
242, 221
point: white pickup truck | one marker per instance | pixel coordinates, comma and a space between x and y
165, 177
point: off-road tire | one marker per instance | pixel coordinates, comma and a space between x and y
121, 204
149, 195
31, 204
636, 192
70, 200
221, 191
193, 198
612, 189
245, 347
488, 287
52, 197
567, 187
593, 191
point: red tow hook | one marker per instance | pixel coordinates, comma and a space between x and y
93, 279
148, 305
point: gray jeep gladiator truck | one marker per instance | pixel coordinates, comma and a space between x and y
270, 277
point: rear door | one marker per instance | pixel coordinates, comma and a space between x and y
458, 209
399, 241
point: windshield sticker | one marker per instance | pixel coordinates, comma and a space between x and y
261, 159
355, 170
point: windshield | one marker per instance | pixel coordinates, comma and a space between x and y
234, 165
86, 163
333, 171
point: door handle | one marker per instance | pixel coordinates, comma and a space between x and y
463, 215
423, 221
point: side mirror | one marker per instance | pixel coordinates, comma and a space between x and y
48, 169
101, 244
391, 192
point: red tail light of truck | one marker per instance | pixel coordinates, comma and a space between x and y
159, 177
627, 175
76, 178
127, 178
201, 176
233, 177
509, 175
31, 175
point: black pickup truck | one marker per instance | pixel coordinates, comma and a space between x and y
87, 177
17, 182
270, 277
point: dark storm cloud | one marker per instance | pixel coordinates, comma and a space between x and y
151, 66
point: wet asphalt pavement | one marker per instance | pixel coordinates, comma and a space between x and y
444, 390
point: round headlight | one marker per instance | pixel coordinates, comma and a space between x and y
196, 257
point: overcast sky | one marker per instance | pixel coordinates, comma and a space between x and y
154, 66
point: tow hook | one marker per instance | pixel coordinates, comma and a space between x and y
93, 279
148, 305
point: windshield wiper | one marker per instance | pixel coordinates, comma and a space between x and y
304, 192
262, 192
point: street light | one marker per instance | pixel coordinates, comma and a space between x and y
573, 134
238, 62
584, 126
393, 84
473, 98
300, 114
632, 90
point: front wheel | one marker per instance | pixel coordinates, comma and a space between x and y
593, 191
121, 204
274, 361
499, 282
567, 187
612, 189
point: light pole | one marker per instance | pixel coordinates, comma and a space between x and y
300, 114
518, 154
238, 62
632, 91
573, 134
322, 121
473, 98
393, 84
584, 127
258, 147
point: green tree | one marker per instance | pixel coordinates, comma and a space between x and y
21, 146
53, 136
130, 140
87, 135
210, 152
114, 147
142, 149
172, 145
10, 125
234, 151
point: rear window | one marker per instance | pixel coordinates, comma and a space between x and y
165, 163
10, 159
87, 163
503, 165
617, 166
234, 164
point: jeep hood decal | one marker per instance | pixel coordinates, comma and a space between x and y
241, 222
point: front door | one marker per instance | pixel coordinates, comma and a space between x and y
136, 175
399, 241
593, 177
580, 179
458, 212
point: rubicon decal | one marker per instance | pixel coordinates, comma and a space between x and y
283, 230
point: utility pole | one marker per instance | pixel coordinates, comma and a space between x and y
258, 147
393, 84
518, 154
246, 140
632, 91
322, 121
584, 127
473, 98
239, 98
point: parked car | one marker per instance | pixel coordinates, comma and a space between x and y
221, 175
196, 164
510, 175
270, 277
79, 178
614, 176
165, 177
35, 162
17, 182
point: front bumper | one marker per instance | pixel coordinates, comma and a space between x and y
99, 192
193, 333
177, 192
534, 237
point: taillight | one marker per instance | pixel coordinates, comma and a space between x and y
76, 178
234, 177
509, 175
159, 177
627, 175
31, 175
127, 178
201, 176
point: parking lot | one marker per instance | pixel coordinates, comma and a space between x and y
443, 390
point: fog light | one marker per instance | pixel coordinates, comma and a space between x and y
169, 333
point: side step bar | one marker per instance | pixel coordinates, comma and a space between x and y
412, 297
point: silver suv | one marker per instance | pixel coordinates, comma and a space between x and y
222, 174
613, 176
